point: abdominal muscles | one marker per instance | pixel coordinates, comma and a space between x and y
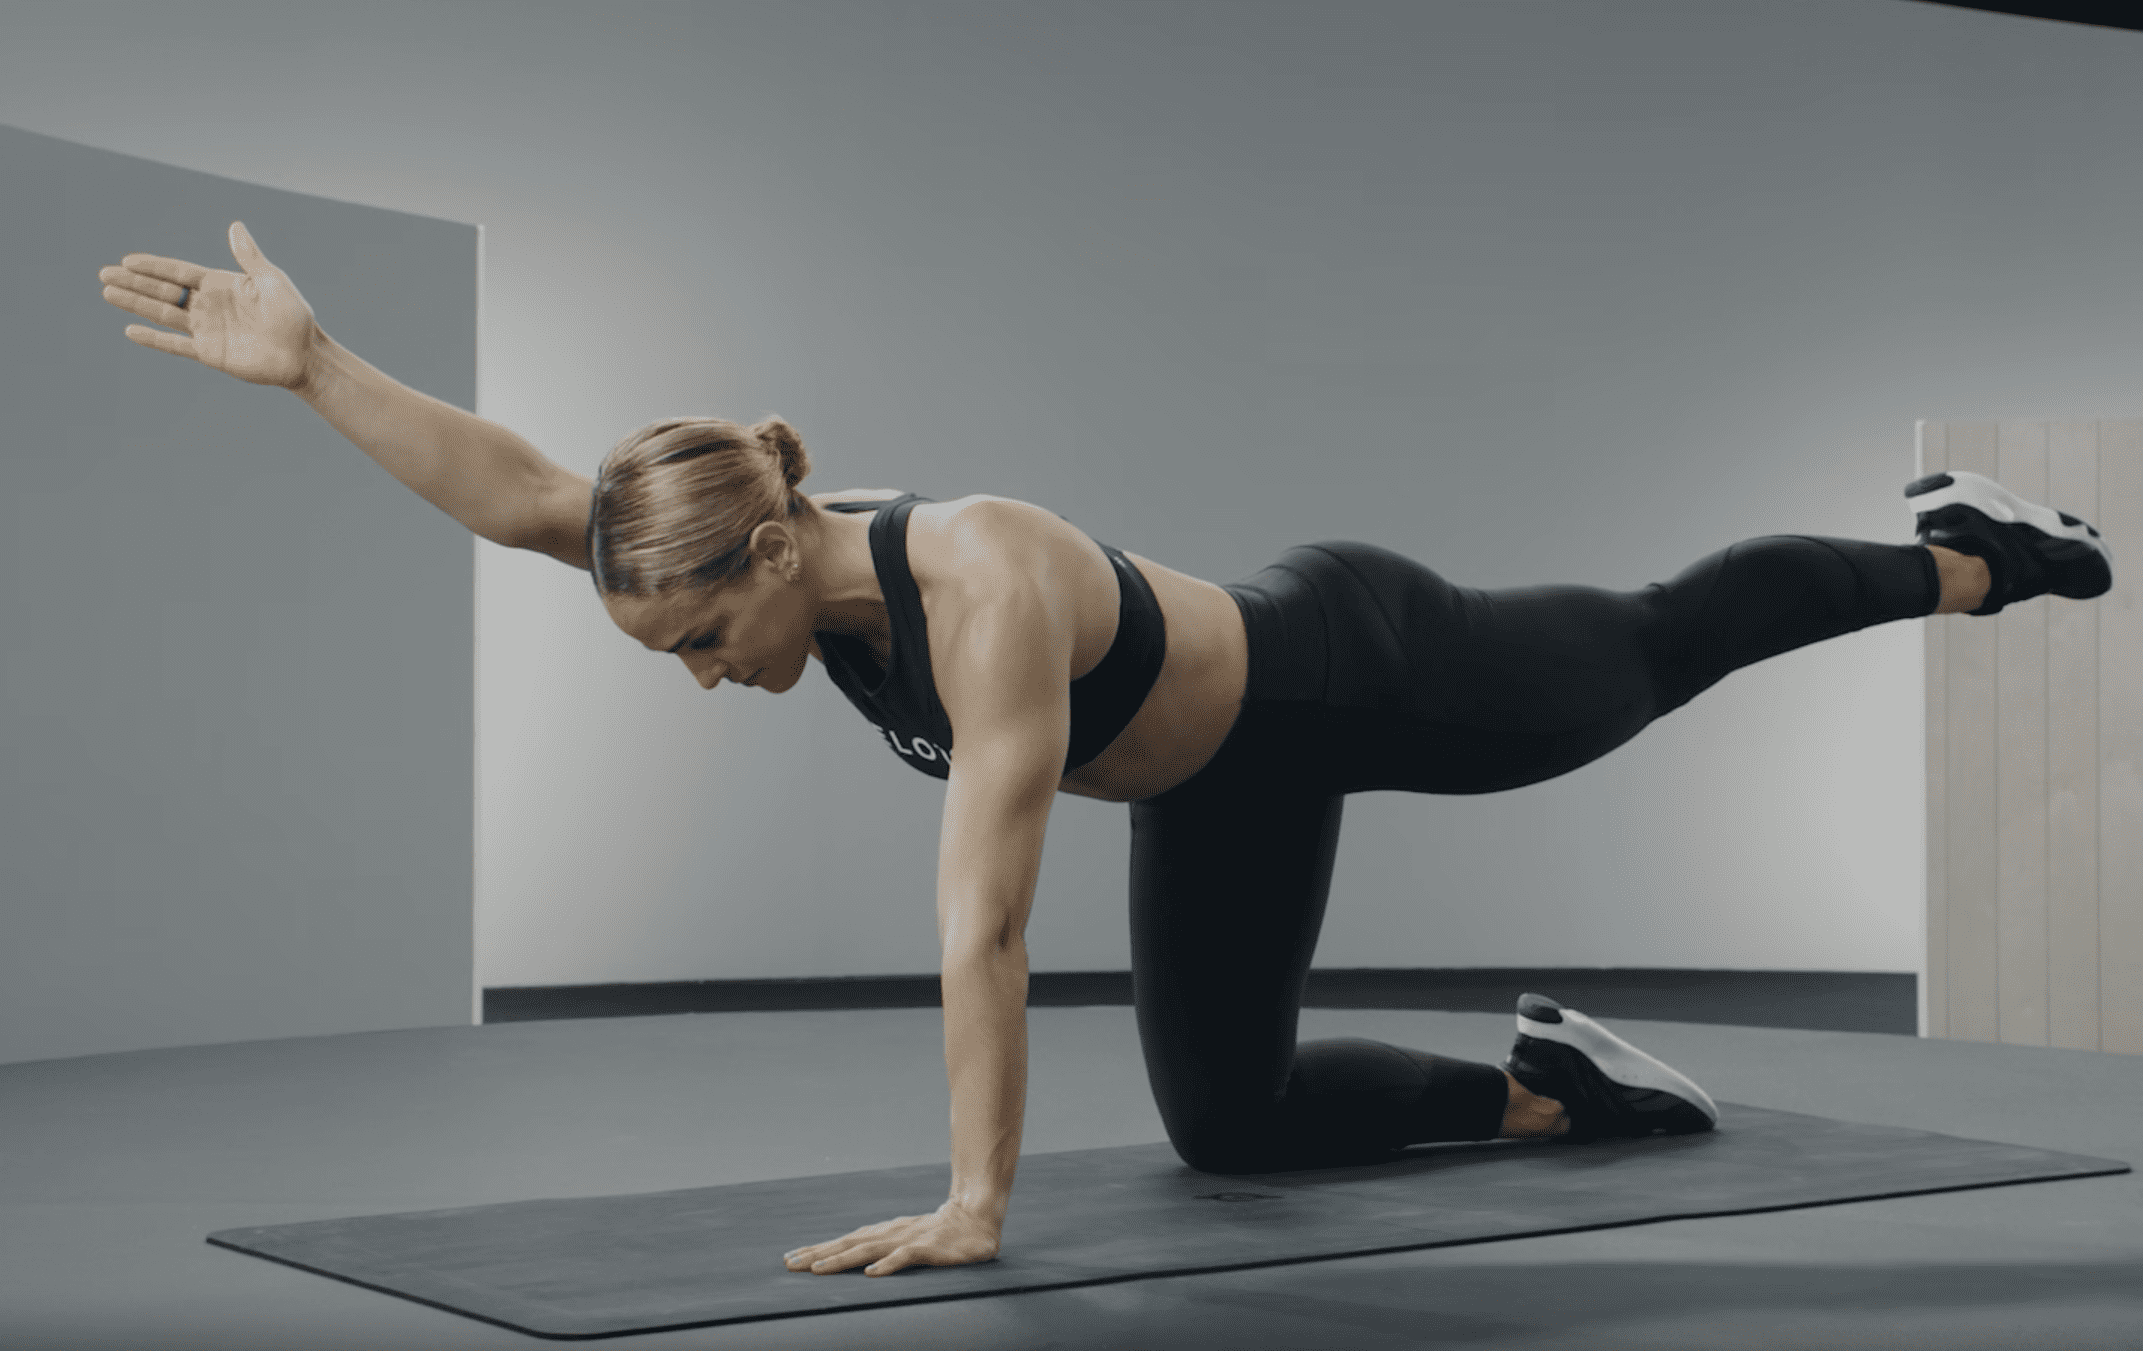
1188, 712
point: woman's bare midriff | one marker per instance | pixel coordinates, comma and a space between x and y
1192, 705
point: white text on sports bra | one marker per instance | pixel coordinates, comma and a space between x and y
918, 748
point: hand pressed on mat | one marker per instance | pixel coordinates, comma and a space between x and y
951, 1236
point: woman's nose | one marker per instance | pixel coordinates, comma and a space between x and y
706, 670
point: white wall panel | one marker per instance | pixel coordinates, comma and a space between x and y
2033, 813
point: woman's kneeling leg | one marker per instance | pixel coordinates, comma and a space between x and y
1229, 877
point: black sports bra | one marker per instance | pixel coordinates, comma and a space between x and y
902, 699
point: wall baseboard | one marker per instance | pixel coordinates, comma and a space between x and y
1829, 1001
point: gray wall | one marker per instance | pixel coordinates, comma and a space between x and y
235, 661
1530, 289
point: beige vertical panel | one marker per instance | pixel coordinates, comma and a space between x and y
2072, 697
1974, 859
2035, 766
2020, 770
2120, 805
1933, 457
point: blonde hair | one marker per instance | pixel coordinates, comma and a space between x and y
675, 502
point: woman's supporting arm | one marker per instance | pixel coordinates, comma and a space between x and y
989, 853
1001, 637
989, 857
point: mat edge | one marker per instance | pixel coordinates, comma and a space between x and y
2111, 1168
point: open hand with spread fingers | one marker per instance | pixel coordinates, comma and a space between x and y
951, 1236
252, 324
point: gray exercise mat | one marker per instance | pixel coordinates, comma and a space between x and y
605, 1266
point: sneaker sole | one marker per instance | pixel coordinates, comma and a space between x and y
1617, 1059
1961, 487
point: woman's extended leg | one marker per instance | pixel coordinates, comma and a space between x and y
1416, 684
1762, 597
1964, 580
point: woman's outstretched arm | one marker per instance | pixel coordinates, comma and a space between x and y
476, 471
255, 325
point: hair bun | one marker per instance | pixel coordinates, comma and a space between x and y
787, 447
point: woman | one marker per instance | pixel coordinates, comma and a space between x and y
999, 648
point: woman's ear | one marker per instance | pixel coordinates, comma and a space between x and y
775, 545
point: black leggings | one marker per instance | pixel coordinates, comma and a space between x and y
1369, 671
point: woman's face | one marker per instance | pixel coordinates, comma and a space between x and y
754, 629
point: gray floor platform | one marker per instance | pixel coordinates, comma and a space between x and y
114, 1168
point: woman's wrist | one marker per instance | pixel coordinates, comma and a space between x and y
990, 1208
320, 352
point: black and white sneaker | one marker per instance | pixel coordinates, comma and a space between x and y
2029, 549
1608, 1088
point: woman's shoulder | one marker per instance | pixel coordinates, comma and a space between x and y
984, 512
986, 545
985, 517
858, 495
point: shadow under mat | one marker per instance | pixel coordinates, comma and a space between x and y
606, 1266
